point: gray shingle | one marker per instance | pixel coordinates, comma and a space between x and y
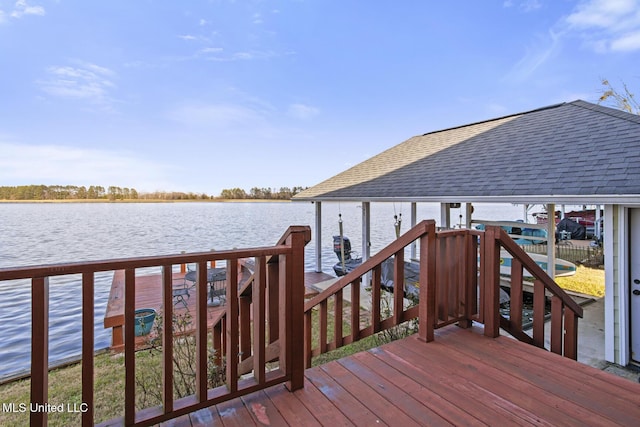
570, 149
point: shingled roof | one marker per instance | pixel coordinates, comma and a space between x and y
574, 152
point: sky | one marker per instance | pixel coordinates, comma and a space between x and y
205, 95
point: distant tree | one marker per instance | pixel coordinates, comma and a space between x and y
622, 99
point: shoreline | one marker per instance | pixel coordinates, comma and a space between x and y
147, 201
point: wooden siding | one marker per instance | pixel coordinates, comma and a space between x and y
460, 378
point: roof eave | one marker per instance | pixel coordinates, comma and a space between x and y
568, 199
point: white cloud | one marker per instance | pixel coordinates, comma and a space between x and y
627, 42
84, 81
226, 116
545, 48
64, 165
607, 25
302, 111
524, 5
22, 8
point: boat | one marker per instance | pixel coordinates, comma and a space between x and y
347, 263
587, 218
562, 267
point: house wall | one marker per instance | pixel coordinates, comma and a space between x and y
616, 314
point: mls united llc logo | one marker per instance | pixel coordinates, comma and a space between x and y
46, 407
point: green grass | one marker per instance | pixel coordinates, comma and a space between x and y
65, 387
65, 383
589, 281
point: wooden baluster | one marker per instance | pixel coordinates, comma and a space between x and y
442, 280
39, 348
338, 308
571, 334
218, 332
244, 305
323, 325
376, 294
232, 326
398, 287
308, 330
516, 295
202, 288
556, 325
259, 319
355, 309
538, 313
468, 280
273, 300
129, 346
284, 331
88, 351
452, 282
167, 338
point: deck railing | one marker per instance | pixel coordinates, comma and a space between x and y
564, 310
279, 275
447, 291
267, 327
459, 283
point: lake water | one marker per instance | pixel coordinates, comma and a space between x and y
49, 233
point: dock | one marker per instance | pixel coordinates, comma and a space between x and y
149, 295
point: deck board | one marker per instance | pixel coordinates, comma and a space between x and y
461, 378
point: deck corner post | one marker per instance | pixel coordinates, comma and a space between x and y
295, 287
427, 307
491, 285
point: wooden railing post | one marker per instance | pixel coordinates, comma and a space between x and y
491, 266
427, 307
88, 304
39, 348
295, 266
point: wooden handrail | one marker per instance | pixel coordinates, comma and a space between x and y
447, 290
529, 264
564, 310
414, 233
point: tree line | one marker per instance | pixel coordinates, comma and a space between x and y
284, 193
98, 192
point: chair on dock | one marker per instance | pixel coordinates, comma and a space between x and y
181, 292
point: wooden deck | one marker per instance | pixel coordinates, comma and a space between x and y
461, 378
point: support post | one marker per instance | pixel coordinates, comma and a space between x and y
414, 219
468, 214
445, 216
551, 240
318, 237
366, 238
